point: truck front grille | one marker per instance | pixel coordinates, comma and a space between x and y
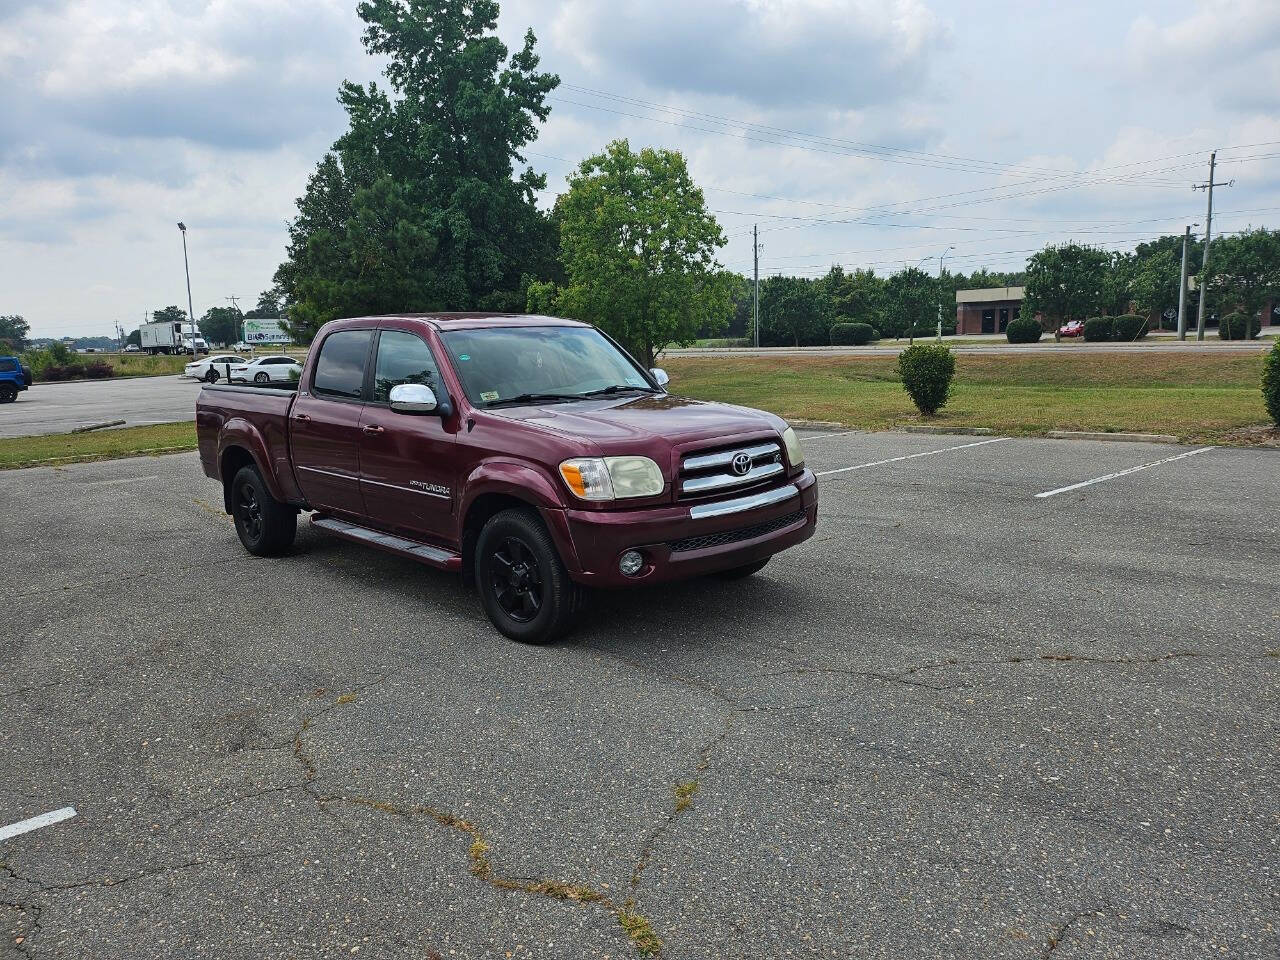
735, 536
709, 473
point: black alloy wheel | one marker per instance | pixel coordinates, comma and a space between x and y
524, 587
249, 510
517, 584
211, 376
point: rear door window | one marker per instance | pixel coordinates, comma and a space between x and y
340, 366
8, 366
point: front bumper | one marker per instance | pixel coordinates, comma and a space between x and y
686, 540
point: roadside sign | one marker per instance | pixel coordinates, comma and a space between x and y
264, 332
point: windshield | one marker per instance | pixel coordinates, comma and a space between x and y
504, 364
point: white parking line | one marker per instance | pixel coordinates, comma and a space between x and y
35, 823
1122, 473
911, 456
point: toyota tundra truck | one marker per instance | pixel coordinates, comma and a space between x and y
531, 454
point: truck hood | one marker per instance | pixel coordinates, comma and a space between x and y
621, 422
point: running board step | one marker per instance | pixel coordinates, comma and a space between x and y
422, 552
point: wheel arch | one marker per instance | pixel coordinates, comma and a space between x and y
495, 487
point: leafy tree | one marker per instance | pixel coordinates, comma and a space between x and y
1244, 270
1117, 283
417, 206
793, 312
1156, 280
1066, 282
134, 338
13, 333
983, 278
911, 302
857, 297
173, 314
638, 248
268, 307
221, 324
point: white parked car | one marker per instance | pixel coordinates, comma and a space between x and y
267, 370
242, 347
209, 369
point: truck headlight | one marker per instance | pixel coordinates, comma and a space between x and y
612, 478
795, 455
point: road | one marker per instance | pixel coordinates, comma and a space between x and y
60, 407
965, 720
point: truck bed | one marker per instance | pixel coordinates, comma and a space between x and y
255, 417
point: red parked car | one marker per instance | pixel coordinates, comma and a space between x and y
1074, 328
532, 454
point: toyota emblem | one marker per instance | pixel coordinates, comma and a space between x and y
741, 464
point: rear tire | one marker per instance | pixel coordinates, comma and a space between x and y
261, 377
8, 393
524, 587
265, 526
747, 570
211, 376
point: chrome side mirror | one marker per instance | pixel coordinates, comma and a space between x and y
413, 398
660, 375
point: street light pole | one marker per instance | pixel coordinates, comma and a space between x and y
191, 313
941, 261
911, 333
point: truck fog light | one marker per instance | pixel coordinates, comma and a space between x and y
631, 563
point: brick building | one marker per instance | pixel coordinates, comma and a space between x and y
987, 310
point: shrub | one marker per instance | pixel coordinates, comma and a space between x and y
926, 373
1271, 383
1130, 327
98, 370
1024, 330
1238, 326
54, 371
855, 334
1099, 329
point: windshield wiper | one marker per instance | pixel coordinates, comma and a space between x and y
618, 388
535, 398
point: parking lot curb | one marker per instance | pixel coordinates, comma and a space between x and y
1130, 437
963, 431
97, 426
817, 424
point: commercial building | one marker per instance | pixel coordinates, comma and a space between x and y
987, 310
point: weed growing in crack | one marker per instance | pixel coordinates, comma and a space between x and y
347, 698
684, 794
641, 933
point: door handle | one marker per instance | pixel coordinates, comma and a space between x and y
302, 418
373, 429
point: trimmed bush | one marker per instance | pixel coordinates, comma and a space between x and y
1237, 326
1130, 327
1024, 330
1099, 329
926, 373
851, 334
1271, 383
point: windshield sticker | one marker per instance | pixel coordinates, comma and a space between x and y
489, 396
465, 356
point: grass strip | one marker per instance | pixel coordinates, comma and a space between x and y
59, 448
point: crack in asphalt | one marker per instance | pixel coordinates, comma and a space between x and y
1060, 929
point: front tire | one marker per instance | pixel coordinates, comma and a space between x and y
524, 587
265, 526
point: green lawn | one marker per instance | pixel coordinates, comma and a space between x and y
1201, 398
99, 445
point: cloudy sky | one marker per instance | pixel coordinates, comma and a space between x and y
865, 132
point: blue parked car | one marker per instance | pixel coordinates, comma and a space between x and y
14, 378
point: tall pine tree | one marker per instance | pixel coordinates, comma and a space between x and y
418, 206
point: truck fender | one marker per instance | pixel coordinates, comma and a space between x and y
240, 433
535, 487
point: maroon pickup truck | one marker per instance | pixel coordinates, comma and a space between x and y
532, 454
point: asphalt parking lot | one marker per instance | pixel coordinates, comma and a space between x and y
964, 720
59, 407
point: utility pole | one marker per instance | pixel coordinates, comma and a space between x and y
191, 313
235, 305
755, 257
1182, 287
1208, 235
